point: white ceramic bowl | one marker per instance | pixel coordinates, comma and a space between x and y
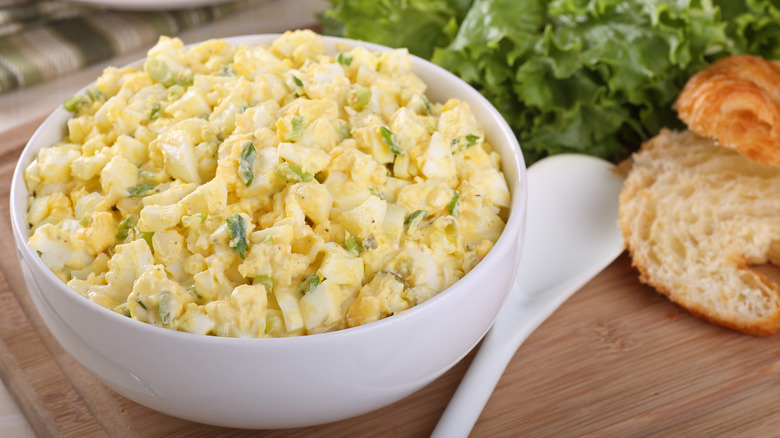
283, 382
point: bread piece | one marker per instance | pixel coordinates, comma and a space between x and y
736, 101
695, 217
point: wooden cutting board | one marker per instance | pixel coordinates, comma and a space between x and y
617, 359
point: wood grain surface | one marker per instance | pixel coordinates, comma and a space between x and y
617, 359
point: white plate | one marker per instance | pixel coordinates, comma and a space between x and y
149, 4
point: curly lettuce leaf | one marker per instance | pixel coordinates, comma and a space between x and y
419, 25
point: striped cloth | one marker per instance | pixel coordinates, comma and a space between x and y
41, 39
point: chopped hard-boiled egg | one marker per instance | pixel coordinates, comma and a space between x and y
264, 191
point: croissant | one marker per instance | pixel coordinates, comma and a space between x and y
697, 218
736, 101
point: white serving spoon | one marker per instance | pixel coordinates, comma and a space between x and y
571, 235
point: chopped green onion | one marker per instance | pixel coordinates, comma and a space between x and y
343, 59
193, 291
245, 163
353, 245
186, 220
358, 98
95, 94
159, 72
297, 128
293, 172
414, 218
166, 303
454, 205
310, 283
272, 324
465, 142
390, 140
344, 131
175, 92
154, 114
226, 70
297, 81
140, 190
72, 103
376, 193
426, 104
84, 221
126, 311
237, 230
125, 226
186, 81
141, 303
266, 280
147, 236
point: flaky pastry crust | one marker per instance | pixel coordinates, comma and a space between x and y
736, 101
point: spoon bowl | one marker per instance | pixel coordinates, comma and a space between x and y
571, 235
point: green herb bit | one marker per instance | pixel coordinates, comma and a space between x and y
95, 94
414, 218
465, 142
154, 114
344, 131
175, 92
147, 236
353, 245
359, 98
72, 103
186, 220
166, 303
186, 81
426, 104
226, 70
297, 129
237, 231
310, 283
266, 280
343, 59
192, 290
84, 221
141, 303
245, 163
272, 324
390, 140
140, 190
293, 172
125, 226
376, 193
126, 311
454, 205
159, 72
297, 81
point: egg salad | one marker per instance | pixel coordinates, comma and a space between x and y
264, 191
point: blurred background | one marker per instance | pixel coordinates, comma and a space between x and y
51, 49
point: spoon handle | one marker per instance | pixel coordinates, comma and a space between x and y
524, 313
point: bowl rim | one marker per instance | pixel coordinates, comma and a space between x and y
515, 221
